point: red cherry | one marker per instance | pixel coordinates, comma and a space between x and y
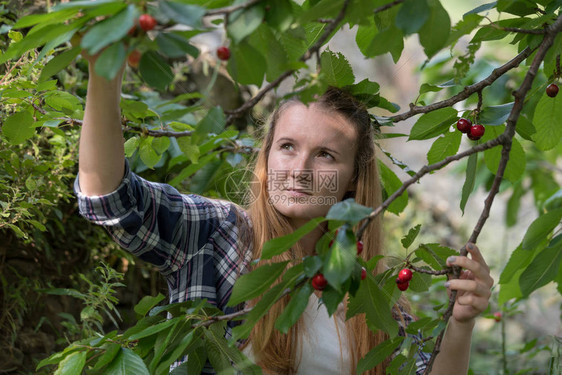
498, 316
359, 247
405, 275
476, 132
464, 125
363, 273
134, 58
319, 282
552, 90
132, 31
402, 285
147, 22
223, 53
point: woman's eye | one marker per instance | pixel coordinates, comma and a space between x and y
286, 146
325, 154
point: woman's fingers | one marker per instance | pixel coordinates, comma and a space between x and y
470, 287
478, 269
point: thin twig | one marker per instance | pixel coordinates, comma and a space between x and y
430, 272
382, 8
468, 90
508, 134
231, 9
422, 172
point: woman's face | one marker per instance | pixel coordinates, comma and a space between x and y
311, 161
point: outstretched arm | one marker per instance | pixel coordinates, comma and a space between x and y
101, 155
473, 293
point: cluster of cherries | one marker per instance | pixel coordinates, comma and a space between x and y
146, 23
403, 279
474, 132
319, 282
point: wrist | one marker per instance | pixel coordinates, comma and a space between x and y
465, 325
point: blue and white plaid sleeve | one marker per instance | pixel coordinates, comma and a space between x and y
153, 220
422, 358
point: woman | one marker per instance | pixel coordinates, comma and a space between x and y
201, 245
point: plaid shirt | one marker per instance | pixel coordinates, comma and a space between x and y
192, 240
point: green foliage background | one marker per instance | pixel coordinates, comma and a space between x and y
50, 258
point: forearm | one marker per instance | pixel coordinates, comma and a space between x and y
101, 156
455, 349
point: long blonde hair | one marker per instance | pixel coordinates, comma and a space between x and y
276, 352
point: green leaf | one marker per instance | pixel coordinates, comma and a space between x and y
58, 63
543, 269
518, 261
548, 122
408, 239
178, 348
156, 328
244, 22
111, 350
174, 45
517, 161
340, 259
435, 255
213, 122
253, 284
420, 282
378, 354
372, 300
392, 183
148, 155
222, 356
62, 101
126, 362
247, 65
434, 34
348, 211
554, 202
366, 92
373, 43
131, 146
444, 146
295, 308
185, 14
495, 115
190, 150
196, 360
109, 30
513, 204
468, 186
336, 70
540, 228
44, 18
279, 245
432, 124
312, 265
18, 128
72, 364
413, 14
277, 58
155, 71
111, 60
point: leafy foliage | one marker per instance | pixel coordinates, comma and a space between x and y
194, 142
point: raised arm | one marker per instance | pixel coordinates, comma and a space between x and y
102, 155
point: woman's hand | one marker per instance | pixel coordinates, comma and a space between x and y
473, 286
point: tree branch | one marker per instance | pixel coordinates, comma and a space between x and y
508, 135
468, 90
423, 171
307, 55
230, 9
382, 8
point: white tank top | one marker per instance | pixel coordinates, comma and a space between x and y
324, 344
